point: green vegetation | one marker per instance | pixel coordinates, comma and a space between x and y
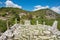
13, 14
2, 26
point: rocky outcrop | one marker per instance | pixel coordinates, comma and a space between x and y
31, 32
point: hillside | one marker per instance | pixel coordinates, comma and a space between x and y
11, 14
46, 15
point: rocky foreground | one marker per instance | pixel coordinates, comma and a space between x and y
32, 32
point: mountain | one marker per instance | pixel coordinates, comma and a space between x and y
9, 14
47, 13
13, 14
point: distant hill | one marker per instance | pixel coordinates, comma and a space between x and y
47, 13
10, 14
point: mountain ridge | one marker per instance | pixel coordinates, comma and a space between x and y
13, 14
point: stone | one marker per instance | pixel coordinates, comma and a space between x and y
27, 22
31, 32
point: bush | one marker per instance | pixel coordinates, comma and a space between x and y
2, 26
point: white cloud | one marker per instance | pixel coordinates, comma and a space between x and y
56, 9
38, 7
11, 4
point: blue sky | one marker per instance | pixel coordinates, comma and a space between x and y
31, 4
